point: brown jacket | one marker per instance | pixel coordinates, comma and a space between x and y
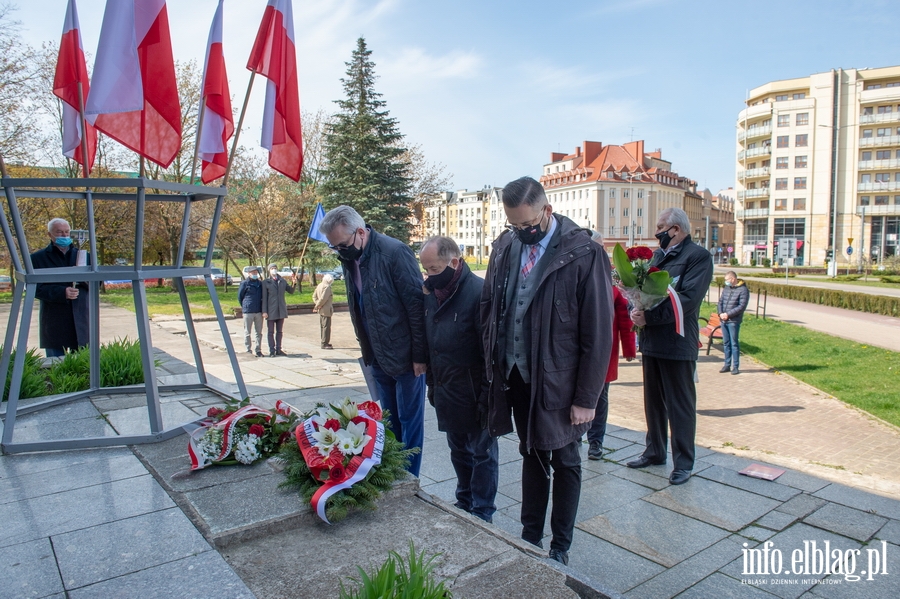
323, 299
571, 332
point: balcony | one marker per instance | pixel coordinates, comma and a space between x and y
754, 213
754, 173
879, 165
755, 112
762, 192
879, 186
882, 210
755, 132
763, 151
868, 119
878, 142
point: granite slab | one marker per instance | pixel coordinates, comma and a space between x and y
614, 566
766, 488
846, 521
29, 570
860, 500
605, 493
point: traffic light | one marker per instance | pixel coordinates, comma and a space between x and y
775, 249
829, 254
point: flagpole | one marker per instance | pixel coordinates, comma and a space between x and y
85, 159
237, 133
197, 143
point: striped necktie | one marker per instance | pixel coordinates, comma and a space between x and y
532, 259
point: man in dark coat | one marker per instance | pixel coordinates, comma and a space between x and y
731, 306
384, 293
274, 307
547, 318
250, 298
64, 305
456, 384
669, 358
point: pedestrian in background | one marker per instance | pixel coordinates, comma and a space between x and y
275, 307
323, 303
250, 297
732, 304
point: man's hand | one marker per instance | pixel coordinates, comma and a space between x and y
723, 316
637, 317
265, 315
71, 293
315, 309
581, 415
419, 369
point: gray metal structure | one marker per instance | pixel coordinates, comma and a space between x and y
143, 190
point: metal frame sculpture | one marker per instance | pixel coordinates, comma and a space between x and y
27, 280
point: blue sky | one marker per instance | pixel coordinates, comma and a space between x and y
490, 88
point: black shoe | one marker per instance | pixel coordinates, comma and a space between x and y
595, 451
278, 352
560, 556
249, 351
725, 369
327, 346
679, 476
271, 354
643, 462
259, 354
460, 505
735, 371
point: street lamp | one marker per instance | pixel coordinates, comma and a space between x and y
835, 156
631, 176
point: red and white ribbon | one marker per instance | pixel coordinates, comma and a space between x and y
679, 311
198, 459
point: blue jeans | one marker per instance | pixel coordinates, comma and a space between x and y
404, 397
730, 332
475, 458
55, 352
598, 425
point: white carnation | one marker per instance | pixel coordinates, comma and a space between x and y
246, 450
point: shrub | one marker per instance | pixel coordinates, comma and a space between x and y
767, 262
861, 302
733, 261
72, 373
34, 383
396, 578
120, 363
752, 261
890, 279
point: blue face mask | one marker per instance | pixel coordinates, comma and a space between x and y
728, 283
254, 276
63, 242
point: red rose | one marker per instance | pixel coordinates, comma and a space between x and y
372, 409
335, 458
213, 412
652, 269
639, 252
284, 437
333, 424
258, 430
337, 473
357, 420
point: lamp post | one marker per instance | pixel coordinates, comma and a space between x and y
631, 177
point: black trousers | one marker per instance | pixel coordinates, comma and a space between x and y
565, 464
670, 401
275, 330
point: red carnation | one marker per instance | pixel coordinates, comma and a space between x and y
372, 409
258, 430
337, 473
335, 458
333, 424
652, 269
213, 412
357, 420
639, 252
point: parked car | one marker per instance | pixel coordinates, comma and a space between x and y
218, 276
5, 283
337, 274
287, 272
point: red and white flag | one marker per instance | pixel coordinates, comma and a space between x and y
218, 122
274, 57
70, 71
134, 97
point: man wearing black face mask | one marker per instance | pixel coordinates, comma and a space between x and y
457, 387
546, 313
669, 359
384, 292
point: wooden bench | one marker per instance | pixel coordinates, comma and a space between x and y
712, 330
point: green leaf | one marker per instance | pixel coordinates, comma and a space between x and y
657, 283
623, 266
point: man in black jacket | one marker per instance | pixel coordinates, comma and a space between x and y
250, 298
547, 311
456, 384
384, 292
669, 356
731, 306
64, 305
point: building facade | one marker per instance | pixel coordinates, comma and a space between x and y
818, 165
463, 216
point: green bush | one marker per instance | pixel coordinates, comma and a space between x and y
398, 579
846, 278
72, 373
890, 279
733, 261
120, 363
767, 262
768, 275
752, 261
34, 382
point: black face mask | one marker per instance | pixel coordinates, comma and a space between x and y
440, 280
664, 238
350, 254
532, 234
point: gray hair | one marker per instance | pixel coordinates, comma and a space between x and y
56, 221
732, 273
676, 217
327, 279
342, 216
524, 190
447, 248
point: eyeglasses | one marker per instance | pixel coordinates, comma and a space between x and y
345, 246
525, 227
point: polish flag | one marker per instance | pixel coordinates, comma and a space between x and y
218, 123
134, 97
274, 57
70, 71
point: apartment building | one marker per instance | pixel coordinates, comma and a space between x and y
462, 215
818, 162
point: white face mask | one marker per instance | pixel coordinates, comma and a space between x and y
273, 272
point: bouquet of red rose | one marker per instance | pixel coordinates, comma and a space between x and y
645, 286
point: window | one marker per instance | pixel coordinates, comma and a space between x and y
784, 141
863, 200
640, 212
868, 110
750, 205
881, 200
625, 212
884, 109
781, 204
612, 193
799, 182
873, 86
865, 178
867, 156
801, 141
751, 165
896, 176
764, 204
867, 133
799, 203
784, 120
781, 162
765, 164
781, 98
800, 162
626, 193
896, 200
612, 231
883, 132
802, 118
640, 194
612, 212
800, 96
625, 230
640, 231
781, 183
882, 177
882, 155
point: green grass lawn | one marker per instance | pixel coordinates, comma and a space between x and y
860, 375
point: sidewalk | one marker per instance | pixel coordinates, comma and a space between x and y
94, 523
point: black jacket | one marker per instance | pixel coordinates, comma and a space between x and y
64, 323
392, 302
692, 268
250, 296
455, 374
734, 300
571, 335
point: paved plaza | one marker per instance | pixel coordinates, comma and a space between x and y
123, 522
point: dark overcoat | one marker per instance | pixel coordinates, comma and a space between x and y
63, 322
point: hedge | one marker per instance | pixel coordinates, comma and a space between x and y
861, 302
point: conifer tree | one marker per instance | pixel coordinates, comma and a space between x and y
365, 167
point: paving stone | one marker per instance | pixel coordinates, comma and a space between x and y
682, 576
799, 480
756, 533
655, 533
761, 487
629, 435
801, 505
109, 550
605, 493
29, 464
860, 500
654, 477
136, 421
173, 580
715, 503
29, 570
846, 521
177, 475
80, 508
890, 532
723, 587
880, 586
614, 566
594, 467
776, 520
119, 402
626, 453
732, 462
612, 443
437, 469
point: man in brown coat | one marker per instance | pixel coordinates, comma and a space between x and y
323, 301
